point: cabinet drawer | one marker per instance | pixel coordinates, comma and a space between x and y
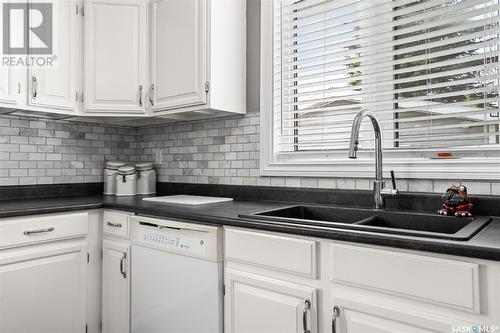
36, 229
448, 283
275, 252
116, 224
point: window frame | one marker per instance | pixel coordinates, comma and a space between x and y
483, 165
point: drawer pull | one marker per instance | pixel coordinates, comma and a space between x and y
38, 231
114, 225
336, 314
122, 269
307, 308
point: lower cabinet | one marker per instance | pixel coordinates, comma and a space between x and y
43, 288
354, 321
115, 286
360, 288
259, 304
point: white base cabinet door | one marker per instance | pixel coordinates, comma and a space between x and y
115, 56
42, 289
57, 86
115, 286
354, 321
257, 304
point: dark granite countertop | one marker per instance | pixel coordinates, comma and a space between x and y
484, 245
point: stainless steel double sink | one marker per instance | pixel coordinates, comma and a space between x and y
379, 221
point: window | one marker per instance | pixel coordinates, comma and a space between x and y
428, 68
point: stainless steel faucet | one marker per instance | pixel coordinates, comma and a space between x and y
379, 190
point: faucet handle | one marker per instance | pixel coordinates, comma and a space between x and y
390, 192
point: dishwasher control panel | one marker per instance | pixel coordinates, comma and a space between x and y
183, 238
173, 239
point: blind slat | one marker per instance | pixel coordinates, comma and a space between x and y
428, 69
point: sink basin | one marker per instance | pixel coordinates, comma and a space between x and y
318, 214
388, 222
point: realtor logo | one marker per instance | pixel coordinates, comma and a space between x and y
27, 28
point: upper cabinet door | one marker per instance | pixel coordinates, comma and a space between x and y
178, 68
115, 46
10, 84
58, 86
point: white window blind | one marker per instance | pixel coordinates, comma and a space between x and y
428, 68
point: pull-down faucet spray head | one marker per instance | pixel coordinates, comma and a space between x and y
353, 147
356, 125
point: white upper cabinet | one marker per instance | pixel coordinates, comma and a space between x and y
198, 57
58, 86
10, 84
178, 57
9, 87
175, 59
115, 56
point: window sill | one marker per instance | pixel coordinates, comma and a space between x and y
470, 168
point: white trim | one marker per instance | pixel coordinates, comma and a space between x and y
485, 165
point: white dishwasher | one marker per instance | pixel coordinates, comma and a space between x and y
176, 277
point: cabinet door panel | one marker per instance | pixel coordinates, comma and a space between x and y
362, 314
43, 292
58, 86
256, 304
115, 287
178, 64
353, 321
115, 44
8, 86
8, 76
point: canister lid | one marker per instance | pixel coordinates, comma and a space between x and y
126, 170
111, 165
144, 166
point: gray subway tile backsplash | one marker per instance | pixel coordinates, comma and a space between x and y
214, 151
43, 151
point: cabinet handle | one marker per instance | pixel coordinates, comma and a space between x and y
152, 94
336, 314
114, 225
122, 271
34, 86
140, 95
38, 231
307, 308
